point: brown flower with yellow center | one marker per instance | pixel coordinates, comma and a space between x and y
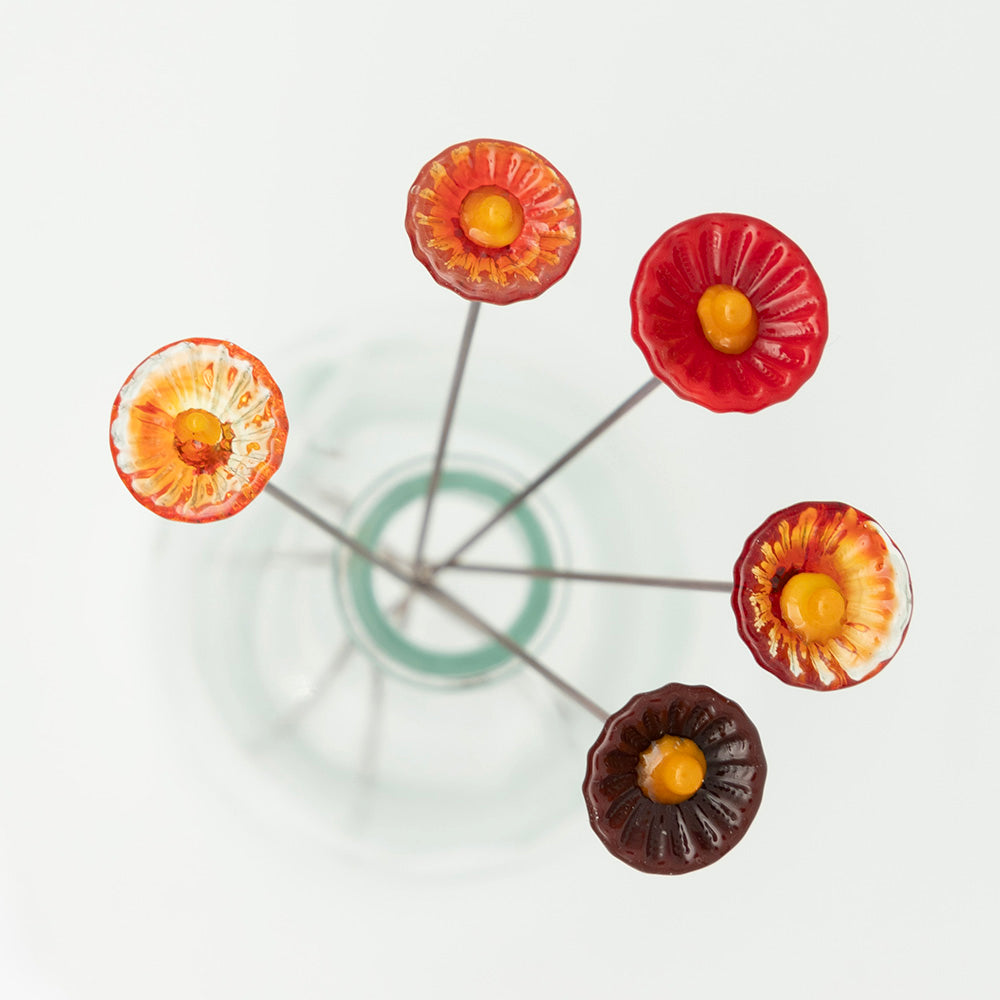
197, 430
822, 596
675, 779
493, 221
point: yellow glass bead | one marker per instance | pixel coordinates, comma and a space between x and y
198, 437
491, 217
198, 425
728, 319
814, 606
671, 769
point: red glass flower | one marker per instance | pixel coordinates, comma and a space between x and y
197, 430
678, 729
729, 313
822, 596
493, 221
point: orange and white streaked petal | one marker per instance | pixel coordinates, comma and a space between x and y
222, 379
539, 256
859, 556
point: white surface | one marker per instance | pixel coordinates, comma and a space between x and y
238, 171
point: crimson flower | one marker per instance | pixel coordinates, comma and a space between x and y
729, 313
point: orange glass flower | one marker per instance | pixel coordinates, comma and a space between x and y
197, 430
822, 596
493, 221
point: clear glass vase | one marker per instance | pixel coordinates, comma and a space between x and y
392, 729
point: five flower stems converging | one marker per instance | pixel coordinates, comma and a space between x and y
421, 578
439, 597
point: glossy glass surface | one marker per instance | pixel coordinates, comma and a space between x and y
169, 399
855, 552
404, 737
781, 285
672, 838
543, 249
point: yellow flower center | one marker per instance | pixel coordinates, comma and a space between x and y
813, 605
491, 217
671, 769
728, 320
199, 438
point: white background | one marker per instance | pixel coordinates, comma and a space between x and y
238, 170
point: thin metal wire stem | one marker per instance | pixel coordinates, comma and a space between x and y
519, 498
342, 536
438, 596
445, 600
449, 413
718, 586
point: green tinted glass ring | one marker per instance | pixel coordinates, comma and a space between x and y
355, 582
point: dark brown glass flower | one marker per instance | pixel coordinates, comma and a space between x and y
672, 839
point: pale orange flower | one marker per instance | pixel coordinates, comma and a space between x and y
197, 430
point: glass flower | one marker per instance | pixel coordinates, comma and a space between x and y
493, 221
197, 430
822, 596
675, 779
729, 313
